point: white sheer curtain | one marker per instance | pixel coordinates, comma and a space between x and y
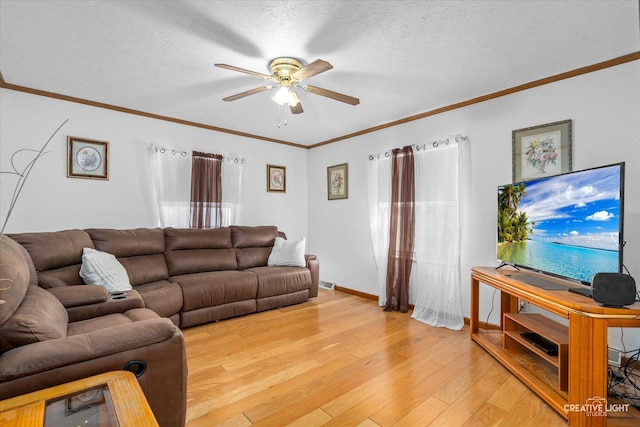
379, 192
171, 177
232, 202
442, 176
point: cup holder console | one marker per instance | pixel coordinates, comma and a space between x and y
118, 295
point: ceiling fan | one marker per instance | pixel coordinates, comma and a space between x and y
288, 74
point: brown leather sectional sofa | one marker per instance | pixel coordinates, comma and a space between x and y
189, 277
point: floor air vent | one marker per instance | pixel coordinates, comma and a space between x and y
327, 285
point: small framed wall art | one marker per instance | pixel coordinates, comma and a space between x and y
540, 151
338, 181
276, 178
87, 158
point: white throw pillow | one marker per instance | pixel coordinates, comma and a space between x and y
101, 268
286, 253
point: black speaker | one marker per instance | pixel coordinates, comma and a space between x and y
613, 289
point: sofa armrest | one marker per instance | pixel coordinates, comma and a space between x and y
74, 296
156, 342
46, 355
313, 264
96, 303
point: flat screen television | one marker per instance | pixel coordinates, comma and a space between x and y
569, 225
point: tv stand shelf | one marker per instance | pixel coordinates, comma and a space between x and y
515, 324
578, 373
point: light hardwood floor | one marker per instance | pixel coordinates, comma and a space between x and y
339, 360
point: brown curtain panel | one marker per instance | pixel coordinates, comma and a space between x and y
402, 230
206, 190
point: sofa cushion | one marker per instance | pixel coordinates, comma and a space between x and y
140, 251
201, 260
196, 251
63, 276
215, 238
145, 268
106, 321
14, 277
276, 301
56, 256
51, 250
80, 295
162, 296
217, 312
253, 237
40, 317
102, 268
32, 274
126, 243
253, 244
281, 280
287, 253
96, 323
216, 288
252, 257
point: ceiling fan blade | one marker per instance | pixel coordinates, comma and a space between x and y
296, 109
242, 70
333, 95
246, 93
316, 67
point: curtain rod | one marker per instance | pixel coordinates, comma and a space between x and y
423, 147
174, 152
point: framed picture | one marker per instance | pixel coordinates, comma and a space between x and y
276, 178
87, 158
543, 150
338, 181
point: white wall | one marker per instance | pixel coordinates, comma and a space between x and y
605, 109
51, 201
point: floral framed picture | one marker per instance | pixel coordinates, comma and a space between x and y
87, 158
276, 178
540, 151
338, 181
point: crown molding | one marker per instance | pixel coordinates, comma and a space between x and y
558, 77
536, 83
5, 85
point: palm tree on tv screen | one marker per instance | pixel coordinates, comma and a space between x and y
513, 226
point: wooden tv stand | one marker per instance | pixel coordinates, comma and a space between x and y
573, 382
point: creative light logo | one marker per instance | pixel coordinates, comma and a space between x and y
596, 407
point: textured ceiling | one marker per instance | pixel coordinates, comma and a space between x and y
400, 58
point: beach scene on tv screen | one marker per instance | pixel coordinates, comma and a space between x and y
567, 225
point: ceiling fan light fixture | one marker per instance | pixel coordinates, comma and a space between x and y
282, 96
288, 73
294, 100
286, 96
283, 69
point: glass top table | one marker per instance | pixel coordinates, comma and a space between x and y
112, 399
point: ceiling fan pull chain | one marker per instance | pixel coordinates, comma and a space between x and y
286, 112
282, 115
281, 118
